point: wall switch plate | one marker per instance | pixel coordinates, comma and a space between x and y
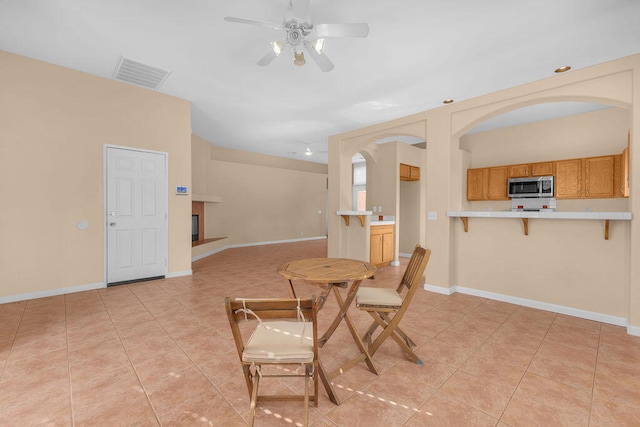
433, 216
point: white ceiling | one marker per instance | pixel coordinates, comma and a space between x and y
418, 53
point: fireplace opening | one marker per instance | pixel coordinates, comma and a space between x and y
194, 228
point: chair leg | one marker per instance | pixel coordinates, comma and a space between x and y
307, 374
315, 384
254, 398
400, 332
366, 338
389, 329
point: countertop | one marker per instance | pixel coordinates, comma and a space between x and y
544, 215
387, 222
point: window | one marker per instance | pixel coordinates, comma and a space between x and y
359, 189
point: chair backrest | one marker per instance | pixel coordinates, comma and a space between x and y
268, 309
415, 270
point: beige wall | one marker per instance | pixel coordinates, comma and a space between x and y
591, 134
263, 198
573, 266
54, 123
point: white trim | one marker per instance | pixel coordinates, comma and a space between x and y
52, 292
570, 311
178, 274
439, 289
244, 245
404, 255
395, 263
105, 147
633, 330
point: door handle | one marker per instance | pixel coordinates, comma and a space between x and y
112, 224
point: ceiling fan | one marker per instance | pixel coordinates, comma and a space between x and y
302, 35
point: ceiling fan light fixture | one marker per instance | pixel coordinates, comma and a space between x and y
299, 59
318, 45
278, 47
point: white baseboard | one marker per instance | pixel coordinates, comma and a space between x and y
584, 314
179, 274
633, 330
52, 292
439, 289
245, 245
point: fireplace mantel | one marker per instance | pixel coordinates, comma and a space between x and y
205, 198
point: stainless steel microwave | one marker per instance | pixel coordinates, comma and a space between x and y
538, 186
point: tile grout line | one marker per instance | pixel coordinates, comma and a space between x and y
66, 331
595, 369
182, 349
527, 368
128, 356
13, 341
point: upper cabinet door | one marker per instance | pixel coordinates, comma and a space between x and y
568, 179
497, 185
409, 173
542, 169
477, 184
598, 178
519, 171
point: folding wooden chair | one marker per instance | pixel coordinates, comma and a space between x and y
381, 303
285, 334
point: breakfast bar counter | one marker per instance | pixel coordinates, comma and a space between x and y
544, 214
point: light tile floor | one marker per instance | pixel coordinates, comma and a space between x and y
161, 353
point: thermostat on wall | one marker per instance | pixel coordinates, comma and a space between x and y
182, 190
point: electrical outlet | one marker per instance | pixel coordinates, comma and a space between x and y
433, 216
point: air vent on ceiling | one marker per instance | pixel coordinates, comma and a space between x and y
140, 74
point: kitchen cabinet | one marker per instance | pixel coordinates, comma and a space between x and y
487, 183
497, 183
625, 172
598, 177
542, 169
592, 177
519, 171
621, 173
531, 169
477, 184
568, 179
381, 252
409, 173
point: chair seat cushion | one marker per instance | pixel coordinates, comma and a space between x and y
378, 297
280, 341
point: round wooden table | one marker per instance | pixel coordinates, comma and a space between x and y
332, 273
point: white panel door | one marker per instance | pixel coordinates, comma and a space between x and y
136, 215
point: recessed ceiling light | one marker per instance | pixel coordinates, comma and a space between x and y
563, 69
447, 101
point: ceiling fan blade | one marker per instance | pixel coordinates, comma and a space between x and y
321, 59
253, 22
266, 60
342, 30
